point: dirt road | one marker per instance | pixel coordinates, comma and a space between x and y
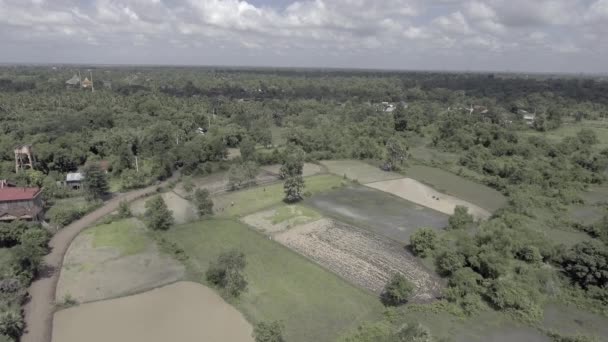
41, 306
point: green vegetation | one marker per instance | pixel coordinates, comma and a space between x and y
268, 332
397, 291
423, 242
227, 273
288, 212
291, 172
157, 215
327, 306
255, 199
203, 202
67, 210
95, 184
122, 235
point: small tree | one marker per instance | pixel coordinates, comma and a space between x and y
158, 216
449, 262
268, 332
461, 218
396, 154
204, 204
95, 183
11, 324
188, 184
293, 188
423, 241
227, 273
123, 209
247, 148
397, 291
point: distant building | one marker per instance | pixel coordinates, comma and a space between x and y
87, 84
529, 118
73, 82
74, 180
17, 203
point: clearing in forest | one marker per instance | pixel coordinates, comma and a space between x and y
424, 195
377, 211
359, 171
313, 303
361, 257
185, 312
114, 260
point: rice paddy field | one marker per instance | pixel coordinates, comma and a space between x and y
377, 211
185, 312
358, 170
314, 304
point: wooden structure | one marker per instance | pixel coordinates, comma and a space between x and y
24, 157
18, 203
74, 180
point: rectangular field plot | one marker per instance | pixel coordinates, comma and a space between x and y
361, 257
419, 193
358, 170
457, 186
377, 211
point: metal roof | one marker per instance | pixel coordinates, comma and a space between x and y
74, 177
18, 194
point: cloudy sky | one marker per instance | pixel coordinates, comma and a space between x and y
503, 35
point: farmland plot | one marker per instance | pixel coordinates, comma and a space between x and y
358, 170
363, 258
308, 170
424, 195
377, 211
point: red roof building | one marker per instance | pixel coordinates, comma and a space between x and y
17, 203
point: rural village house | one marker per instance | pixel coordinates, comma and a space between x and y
19, 203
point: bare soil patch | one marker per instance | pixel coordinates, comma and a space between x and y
92, 273
310, 169
363, 258
424, 195
183, 210
185, 312
358, 170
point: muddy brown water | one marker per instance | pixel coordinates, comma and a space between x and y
184, 312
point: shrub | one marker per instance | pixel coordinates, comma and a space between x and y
587, 264
123, 209
158, 216
61, 217
530, 254
461, 218
227, 273
397, 291
11, 324
188, 184
204, 204
449, 262
268, 332
507, 294
423, 241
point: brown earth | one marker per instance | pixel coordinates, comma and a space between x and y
184, 312
363, 258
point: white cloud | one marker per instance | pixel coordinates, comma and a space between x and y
313, 28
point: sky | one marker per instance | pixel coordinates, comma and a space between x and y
459, 35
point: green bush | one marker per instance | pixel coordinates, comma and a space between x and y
397, 291
268, 332
423, 241
157, 215
227, 273
449, 262
461, 218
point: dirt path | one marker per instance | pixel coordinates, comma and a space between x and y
41, 306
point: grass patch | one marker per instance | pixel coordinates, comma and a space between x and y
288, 212
5, 260
313, 304
454, 185
600, 128
358, 170
124, 235
255, 199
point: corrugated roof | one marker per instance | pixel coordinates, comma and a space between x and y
18, 194
74, 177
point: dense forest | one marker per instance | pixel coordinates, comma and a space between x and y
149, 122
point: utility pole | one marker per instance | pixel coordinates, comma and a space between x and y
136, 164
92, 83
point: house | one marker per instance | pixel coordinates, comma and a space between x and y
18, 203
74, 180
528, 117
73, 82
